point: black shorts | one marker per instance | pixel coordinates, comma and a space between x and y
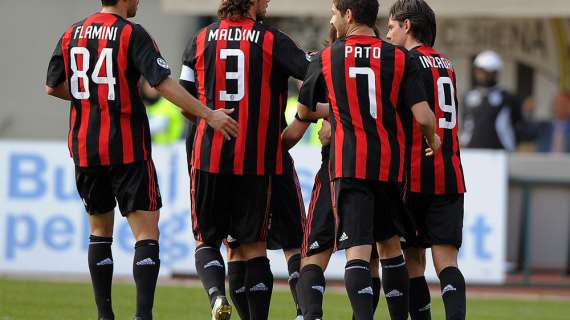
229, 207
366, 211
287, 210
134, 186
320, 227
438, 219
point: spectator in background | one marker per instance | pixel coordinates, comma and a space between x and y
492, 115
167, 125
554, 135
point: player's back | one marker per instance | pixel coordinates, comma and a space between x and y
443, 173
243, 65
104, 56
363, 76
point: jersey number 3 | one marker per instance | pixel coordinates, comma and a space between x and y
81, 72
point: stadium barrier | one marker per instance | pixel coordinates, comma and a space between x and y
44, 229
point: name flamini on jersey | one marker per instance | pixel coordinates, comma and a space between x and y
234, 34
96, 33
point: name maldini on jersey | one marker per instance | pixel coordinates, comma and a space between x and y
96, 33
234, 34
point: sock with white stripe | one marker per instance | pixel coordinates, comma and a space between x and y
293, 266
396, 287
259, 286
146, 266
453, 293
310, 290
100, 260
358, 284
211, 271
420, 300
236, 277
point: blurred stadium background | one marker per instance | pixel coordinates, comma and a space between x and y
517, 224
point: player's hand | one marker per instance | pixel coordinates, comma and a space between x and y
434, 145
325, 133
221, 121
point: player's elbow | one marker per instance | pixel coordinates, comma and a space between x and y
423, 115
50, 91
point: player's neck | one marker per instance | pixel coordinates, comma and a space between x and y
115, 10
412, 43
360, 30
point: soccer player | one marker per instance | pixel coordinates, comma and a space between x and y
366, 80
288, 222
319, 234
238, 62
96, 65
435, 185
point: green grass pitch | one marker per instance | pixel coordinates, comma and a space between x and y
26, 299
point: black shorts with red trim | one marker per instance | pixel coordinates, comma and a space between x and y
134, 186
366, 211
438, 219
319, 232
287, 210
230, 207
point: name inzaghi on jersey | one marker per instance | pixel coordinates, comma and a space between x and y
435, 62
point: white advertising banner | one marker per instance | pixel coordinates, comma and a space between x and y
44, 228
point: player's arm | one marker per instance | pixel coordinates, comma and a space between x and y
56, 85
414, 97
294, 133
290, 57
60, 91
218, 119
313, 94
426, 120
148, 60
188, 75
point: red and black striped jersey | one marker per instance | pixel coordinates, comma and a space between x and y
442, 173
102, 58
243, 65
365, 80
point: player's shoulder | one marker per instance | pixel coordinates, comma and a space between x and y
276, 32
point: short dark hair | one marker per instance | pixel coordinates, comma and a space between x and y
364, 11
109, 2
421, 17
234, 9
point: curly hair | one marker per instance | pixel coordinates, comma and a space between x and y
234, 9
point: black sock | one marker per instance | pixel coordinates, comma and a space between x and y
310, 289
358, 284
453, 293
293, 265
259, 286
396, 287
100, 260
420, 300
211, 270
146, 266
376, 286
236, 276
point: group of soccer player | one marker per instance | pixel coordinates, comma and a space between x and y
390, 184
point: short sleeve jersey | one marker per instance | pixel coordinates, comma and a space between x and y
365, 80
102, 59
242, 65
